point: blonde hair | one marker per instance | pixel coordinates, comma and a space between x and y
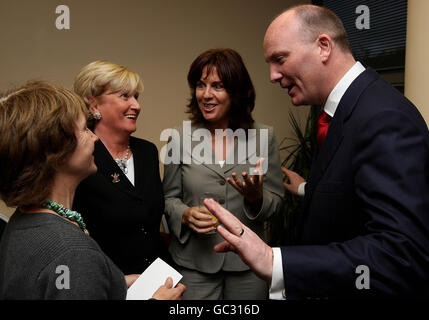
37, 130
99, 76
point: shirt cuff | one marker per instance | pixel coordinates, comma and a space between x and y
301, 189
277, 291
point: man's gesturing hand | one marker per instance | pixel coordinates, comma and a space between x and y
242, 240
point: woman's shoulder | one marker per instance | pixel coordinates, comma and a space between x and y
46, 235
260, 126
66, 234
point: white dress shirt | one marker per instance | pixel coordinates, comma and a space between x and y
130, 172
277, 289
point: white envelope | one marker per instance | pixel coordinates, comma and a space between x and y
151, 279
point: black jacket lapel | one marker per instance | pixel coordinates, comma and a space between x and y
110, 170
335, 134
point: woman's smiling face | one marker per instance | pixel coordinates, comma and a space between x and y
119, 110
213, 100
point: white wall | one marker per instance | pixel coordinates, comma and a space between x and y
156, 38
417, 56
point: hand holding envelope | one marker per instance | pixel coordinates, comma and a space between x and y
168, 292
159, 281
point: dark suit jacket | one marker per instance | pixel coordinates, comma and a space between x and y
123, 219
366, 201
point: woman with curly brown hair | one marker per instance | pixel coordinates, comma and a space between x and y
222, 100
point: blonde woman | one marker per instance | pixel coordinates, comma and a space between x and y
123, 202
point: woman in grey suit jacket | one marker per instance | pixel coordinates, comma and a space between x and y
222, 97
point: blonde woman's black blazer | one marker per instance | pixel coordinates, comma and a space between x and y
122, 218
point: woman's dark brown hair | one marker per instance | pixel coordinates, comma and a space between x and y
37, 130
236, 81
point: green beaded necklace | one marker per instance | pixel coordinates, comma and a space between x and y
66, 213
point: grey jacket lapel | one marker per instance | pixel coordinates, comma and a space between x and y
244, 150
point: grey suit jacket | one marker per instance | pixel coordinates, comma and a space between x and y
184, 183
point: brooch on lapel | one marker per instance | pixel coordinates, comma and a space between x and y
115, 177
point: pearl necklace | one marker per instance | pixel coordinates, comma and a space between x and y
71, 215
122, 162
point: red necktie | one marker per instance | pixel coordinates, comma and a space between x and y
322, 127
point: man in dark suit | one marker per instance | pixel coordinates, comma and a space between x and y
365, 216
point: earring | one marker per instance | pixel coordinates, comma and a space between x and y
96, 116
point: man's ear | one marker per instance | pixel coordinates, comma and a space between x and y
325, 46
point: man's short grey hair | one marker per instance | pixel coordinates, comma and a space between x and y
317, 20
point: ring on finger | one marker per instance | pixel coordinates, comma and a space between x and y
241, 232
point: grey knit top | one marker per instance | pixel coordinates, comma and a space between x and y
43, 256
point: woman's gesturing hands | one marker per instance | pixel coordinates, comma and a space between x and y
251, 186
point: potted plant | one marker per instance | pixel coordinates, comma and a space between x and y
300, 153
